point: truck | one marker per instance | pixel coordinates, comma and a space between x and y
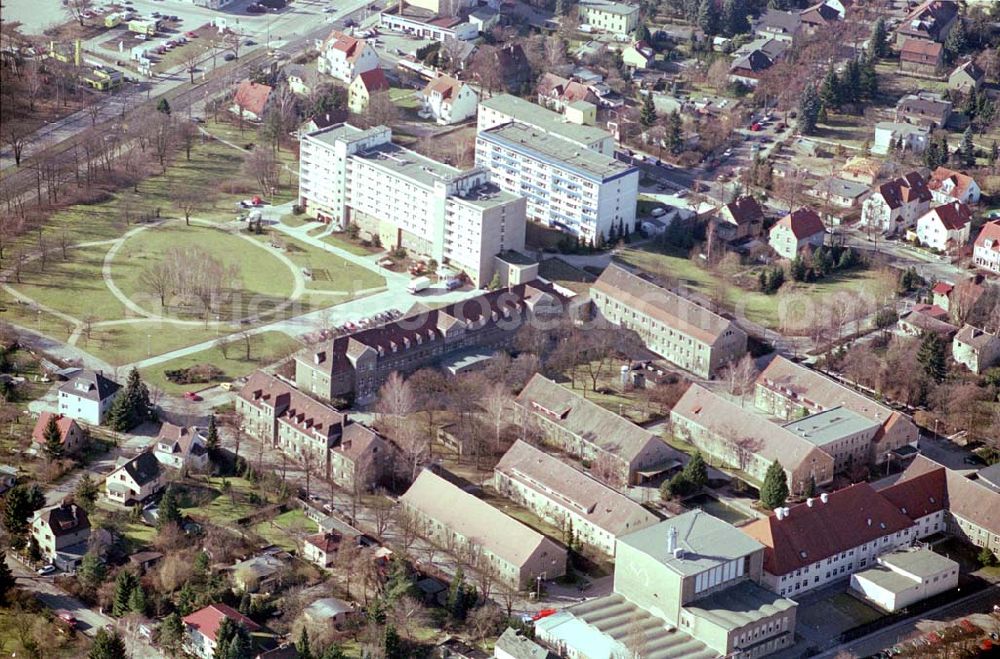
147, 27
419, 284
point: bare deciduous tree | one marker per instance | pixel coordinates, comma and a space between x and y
76, 9
740, 376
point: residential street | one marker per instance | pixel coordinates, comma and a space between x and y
90, 619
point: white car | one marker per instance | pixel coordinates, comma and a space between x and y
658, 212
46, 570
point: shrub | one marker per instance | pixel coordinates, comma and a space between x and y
195, 374
298, 209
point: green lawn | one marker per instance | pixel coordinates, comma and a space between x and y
227, 507
14, 312
266, 280
50, 637
329, 272
757, 307
266, 348
132, 342
74, 286
139, 535
341, 241
404, 98
283, 529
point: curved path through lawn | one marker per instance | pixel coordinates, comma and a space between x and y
297, 291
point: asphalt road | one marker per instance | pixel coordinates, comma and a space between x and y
89, 620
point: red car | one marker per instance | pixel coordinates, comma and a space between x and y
191, 35
190, 395
755, 127
67, 618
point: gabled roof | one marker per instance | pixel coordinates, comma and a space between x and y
143, 468
568, 91
816, 391
64, 423
953, 217
851, 517
927, 20
744, 210
921, 495
970, 69
588, 420
755, 61
180, 439
91, 385
207, 620
446, 86
292, 406
325, 542
910, 188
358, 440
960, 182
971, 500
975, 337
990, 232
820, 14
920, 51
772, 442
476, 520
65, 519
943, 288
776, 21
566, 487
350, 46
374, 80
803, 223
678, 312
252, 97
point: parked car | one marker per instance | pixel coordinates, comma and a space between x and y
68, 618
229, 57
658, 212
192, 396
46, 570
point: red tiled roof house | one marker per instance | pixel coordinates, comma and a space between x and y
251, 100
71, 435
202, 626
794, 232
986, 251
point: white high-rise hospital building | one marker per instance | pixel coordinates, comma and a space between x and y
348, 175
568, 186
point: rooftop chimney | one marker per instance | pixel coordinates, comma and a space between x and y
779, 513
786, 510
824, 497
671, 539
809, 502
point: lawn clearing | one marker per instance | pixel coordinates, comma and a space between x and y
329, 272
341, 241
285, 528
74, 286
755, 306
132, 342
266, 281
405, 99
266, 348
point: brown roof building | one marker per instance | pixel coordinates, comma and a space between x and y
828, 538
357, 364
567, 498
586, 430
931, 21
923, 57
251, 99
451, 515
71, 435
683, 332
789, 391
740, 219
747, 439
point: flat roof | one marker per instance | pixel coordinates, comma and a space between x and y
923, 563
706, 542
739, 605
544, 119
830, 425
488, 195
408, 164
558, 151
885, 578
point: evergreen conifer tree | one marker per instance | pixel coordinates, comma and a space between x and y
774, 491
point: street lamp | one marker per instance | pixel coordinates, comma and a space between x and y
149, 338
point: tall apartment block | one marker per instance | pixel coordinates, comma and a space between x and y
348, 175
568, 186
